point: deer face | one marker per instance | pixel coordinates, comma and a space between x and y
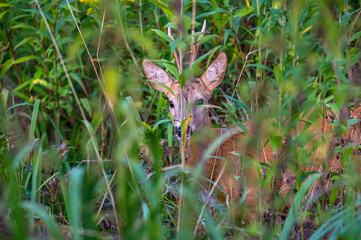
196, 92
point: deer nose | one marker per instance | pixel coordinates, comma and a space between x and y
178, 131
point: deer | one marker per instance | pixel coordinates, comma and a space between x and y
197, 92
237, 148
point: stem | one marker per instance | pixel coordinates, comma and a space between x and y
56, 78
182, 112
13, 53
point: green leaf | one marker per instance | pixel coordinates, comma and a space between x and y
258, 65
355, 36
182, 79
161, 84
162, 35
21, 86
293, 213
226, 35
22, 42
333, 194
6, 67
85, 103
347, 153
278, 73
170, 134
164, 7
205, 55
345, 18
5, 5
133, 109
24, 59
3, 13
171, 68
243, 11
33, 120
218, 10
275, 141
160, 122
51, 224
40, 82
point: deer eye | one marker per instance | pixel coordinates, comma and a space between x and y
171, 104
200, 102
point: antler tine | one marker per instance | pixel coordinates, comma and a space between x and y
176, 56
195, 47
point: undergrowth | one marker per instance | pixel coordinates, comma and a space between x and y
87, 148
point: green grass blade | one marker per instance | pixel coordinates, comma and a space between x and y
33, 120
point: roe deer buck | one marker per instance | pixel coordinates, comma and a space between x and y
238, 147
197, 91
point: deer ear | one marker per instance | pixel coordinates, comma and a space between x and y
157, 75
215, 72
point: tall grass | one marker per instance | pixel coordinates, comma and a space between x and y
87, 147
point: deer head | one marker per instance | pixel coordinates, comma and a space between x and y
196, 92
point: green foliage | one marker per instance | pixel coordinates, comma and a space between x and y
83, 139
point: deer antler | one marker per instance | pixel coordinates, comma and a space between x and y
176, 56
195, 47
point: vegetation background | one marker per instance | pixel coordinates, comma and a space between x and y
84, 140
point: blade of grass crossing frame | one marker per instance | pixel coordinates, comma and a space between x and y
36, 179
133, 109
292, 214
52, 226
74, 201
33, 120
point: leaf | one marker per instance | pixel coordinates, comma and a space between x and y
345, 18
171, 68
5, 5
208, 38
218, 10
174, 44
161, 84
161, 121
170, 134
6, 67
355, 36
3, 13
85, 103
51, 224
293, 213
21, 86
275, 141
278, 73
22, 25
205, 55
182, 79
24, 59
164, 7
210, 106
162, 35
40, 82
133, 109
22, 42
226, 35
243, 11
333, 194
347, 153
33, 120
258, 65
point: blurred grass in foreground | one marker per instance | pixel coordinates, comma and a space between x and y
69, 156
